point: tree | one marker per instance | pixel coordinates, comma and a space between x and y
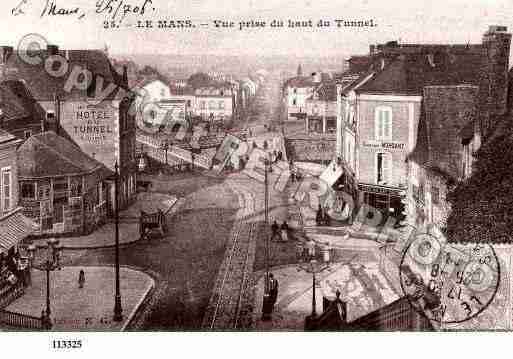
198, 80
482, 206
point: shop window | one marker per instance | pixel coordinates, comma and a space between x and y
383, 168
383, 126
331, 125
60, 187
76, 189
6, 189
43, 192
435, 195
28, 190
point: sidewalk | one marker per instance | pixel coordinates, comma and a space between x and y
362, 286
128, 226
89, 308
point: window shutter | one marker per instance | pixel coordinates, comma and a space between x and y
380, 124
387, 167
386, 124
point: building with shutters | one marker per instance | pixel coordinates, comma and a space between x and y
321, 109
412, 120
93, 114
14, 226
61, 188
215, 102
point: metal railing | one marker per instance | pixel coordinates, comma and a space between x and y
19, 320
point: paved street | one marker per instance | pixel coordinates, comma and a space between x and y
88, 308
185, 263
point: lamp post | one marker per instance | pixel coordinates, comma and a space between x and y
311, 265
118, 310
266, 304
51, 263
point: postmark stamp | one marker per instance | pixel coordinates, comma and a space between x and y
447, 284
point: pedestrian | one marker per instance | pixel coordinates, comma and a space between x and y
273, 289
284, 231
319, 216
274, 230
310, 245
81, 279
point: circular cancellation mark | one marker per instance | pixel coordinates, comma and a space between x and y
447, 284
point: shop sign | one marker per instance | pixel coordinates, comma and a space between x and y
383, 145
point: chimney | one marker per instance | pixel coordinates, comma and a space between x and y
6, 52
496, 42
52, 49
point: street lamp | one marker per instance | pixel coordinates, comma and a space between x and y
51, 263
165, 147
118, 310
311, 265
266, 304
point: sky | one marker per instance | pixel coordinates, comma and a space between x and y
427, 21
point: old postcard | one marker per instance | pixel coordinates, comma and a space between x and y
251, 166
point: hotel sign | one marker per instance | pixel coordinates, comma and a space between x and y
384, 145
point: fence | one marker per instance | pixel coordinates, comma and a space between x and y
20, 321
180, 153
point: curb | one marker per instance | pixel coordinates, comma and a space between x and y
179, 202
139, 304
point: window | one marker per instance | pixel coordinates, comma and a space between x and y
44, 191
383, 118
221, 105
76, 189
211, 105
91, 90
28, 190
295, 90
27, 134
99, 194
383, 168
6, 189
60, 187
202, 105
294, 102
435, 195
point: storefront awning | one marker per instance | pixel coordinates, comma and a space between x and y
332, 173
14, 227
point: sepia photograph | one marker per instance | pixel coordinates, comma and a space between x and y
243, 166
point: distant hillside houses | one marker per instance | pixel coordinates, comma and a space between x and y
167, 103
